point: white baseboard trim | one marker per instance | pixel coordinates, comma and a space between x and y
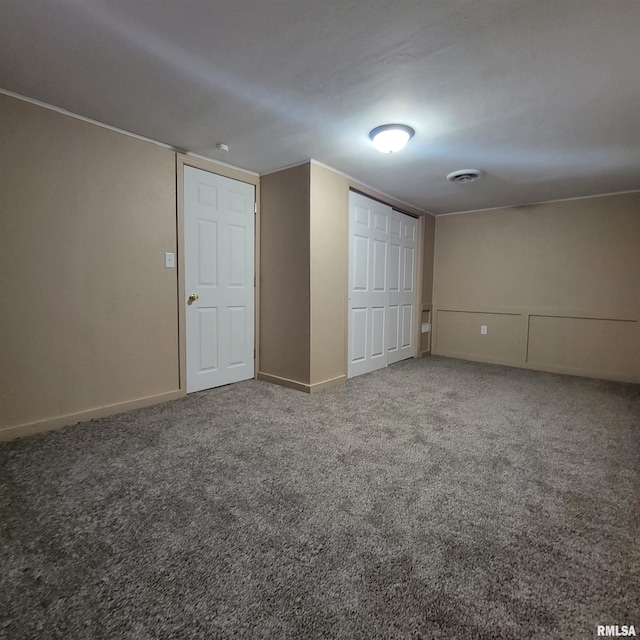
50, 424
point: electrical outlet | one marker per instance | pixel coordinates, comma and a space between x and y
483, 329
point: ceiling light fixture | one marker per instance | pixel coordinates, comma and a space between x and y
389, 138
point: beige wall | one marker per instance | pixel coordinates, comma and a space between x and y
556, 284
429, 234
89, 320
285, 276
329, 269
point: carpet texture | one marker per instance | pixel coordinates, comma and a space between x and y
435, 499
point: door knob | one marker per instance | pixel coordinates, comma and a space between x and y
193, 297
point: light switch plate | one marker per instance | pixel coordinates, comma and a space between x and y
483, 329
169, 260
426, 327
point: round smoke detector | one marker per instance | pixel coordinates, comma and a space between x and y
465, 175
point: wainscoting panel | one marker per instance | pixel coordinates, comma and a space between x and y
459, 335
595, 347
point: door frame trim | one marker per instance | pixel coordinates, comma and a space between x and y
182, 161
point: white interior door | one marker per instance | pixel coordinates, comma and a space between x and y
219, 279
402, 293
369, 229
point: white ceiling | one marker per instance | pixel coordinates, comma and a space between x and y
543, 95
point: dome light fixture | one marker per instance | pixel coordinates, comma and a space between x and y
390, 138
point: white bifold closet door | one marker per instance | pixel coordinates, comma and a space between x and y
382, 298
402, 289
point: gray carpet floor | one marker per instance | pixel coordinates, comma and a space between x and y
435, 499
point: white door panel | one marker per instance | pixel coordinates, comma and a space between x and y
359, 332
378, 342
368, 289
408, 265
407, 325
219, 272
379, 266
403, 297
394, 267
360, 262
207, 332
361, 215
392, 334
